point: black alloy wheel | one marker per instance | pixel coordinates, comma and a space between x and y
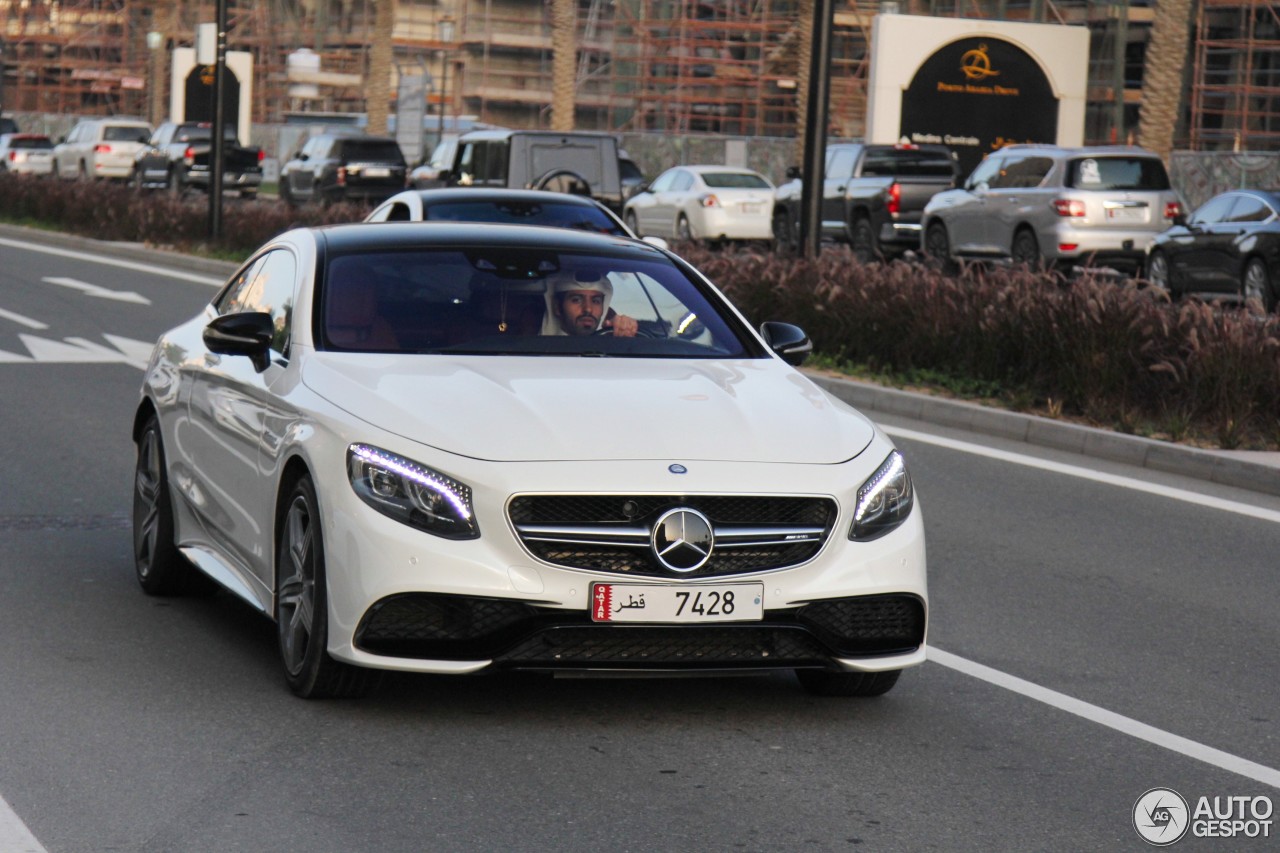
1256, 285
1158, 272
1026, 250
160, 567
302, 602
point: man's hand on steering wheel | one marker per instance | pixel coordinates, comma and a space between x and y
620, 326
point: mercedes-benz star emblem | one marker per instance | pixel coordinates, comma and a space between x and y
683, 539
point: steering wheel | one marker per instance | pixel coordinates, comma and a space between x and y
642, 331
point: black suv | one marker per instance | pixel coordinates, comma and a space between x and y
577, 162
334, 167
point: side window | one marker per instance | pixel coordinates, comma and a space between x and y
267, 286
841, 165
1213, 211
395, 211
662, 183
232, 298
985, 172
1022, 172
1250, 209
491, 163
681, 182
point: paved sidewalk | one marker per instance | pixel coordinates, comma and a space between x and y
1259, 472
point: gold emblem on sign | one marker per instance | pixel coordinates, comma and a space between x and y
976, 65
206, 74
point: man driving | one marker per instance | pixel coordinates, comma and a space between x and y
579, 308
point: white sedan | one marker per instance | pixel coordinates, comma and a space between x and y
450, 448
712, 203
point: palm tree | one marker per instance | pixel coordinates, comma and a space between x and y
1162, 77
379, 83
564, 24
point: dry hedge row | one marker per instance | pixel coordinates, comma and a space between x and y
1117, 354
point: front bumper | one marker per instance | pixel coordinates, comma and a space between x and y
402, 599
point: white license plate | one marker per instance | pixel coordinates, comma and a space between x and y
1127, 214
626, 602
752, 206
378, 173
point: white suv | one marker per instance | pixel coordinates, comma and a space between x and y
1061, 206
100, 148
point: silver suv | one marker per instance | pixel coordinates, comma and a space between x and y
1060, 206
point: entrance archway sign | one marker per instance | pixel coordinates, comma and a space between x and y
976, 86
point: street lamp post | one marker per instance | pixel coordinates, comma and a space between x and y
446, 37
155, 41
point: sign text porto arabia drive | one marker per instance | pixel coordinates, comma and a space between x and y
977, 95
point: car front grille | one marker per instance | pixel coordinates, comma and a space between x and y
517, 635
612, 533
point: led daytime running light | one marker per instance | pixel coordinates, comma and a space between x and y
445, 488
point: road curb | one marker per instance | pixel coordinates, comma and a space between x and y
1223, 467
123, 251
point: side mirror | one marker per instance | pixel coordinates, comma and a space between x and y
242, 334
790, 342
793, 173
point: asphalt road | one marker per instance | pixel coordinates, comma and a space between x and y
1091, 640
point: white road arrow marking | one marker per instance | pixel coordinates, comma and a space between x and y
98, 291
23, 321
81, 351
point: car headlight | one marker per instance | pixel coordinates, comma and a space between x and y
412, 493
884, 500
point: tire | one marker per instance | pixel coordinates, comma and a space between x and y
563, 181
137, 180
174, 184
159, 565
630, 219
683, 231
1256, 284
302, 605
1158, 272
83, 173
937, 248
1025, 249
285, 195
866, 248
822, 682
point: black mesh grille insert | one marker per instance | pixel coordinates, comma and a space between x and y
641, 647
642, 511
867, 624
517, 635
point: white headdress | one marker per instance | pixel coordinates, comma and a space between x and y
563, 282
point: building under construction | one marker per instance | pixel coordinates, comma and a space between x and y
671, 66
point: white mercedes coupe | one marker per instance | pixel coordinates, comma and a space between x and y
452, 448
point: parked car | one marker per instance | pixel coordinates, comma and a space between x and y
179, 155
872, 196
577, 162
704, 203
1061, 206
334, 167
435, 172
387, 439
633, 180
1231, 244
100, 148
26, 154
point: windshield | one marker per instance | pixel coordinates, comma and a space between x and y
584, 217
734, 180
500, 301
372, 150
1117, 173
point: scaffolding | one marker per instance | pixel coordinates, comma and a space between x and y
1235, 89
663, 66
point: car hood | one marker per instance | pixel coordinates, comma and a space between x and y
583, 409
